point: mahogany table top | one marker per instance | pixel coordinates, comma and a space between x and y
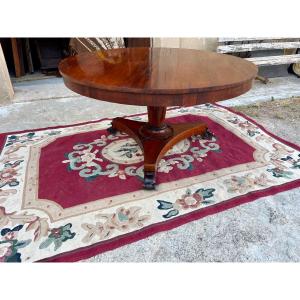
157, 76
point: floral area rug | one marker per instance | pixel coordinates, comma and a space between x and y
68, 193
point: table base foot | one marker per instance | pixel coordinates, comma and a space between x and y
207, 134
149, 180
112, 130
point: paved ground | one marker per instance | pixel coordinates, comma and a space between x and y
264, 230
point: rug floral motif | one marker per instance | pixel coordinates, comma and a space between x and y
71, 192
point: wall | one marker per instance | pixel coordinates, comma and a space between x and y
209, 44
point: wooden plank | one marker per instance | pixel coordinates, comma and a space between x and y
28, 56
257, 47
251, 39
263, 79
18, 56
6, 88
275, 60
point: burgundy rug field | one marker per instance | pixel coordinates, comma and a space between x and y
68, 193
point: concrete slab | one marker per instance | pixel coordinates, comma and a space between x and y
59, 111
50, 88
278, 88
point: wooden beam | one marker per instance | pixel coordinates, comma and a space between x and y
275, 60
6, 89
257, 47
18, 56
29, 56
241, 39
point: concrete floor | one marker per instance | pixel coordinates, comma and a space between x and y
261, 231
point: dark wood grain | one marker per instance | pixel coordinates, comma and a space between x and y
157, 78
16, 45
137, 42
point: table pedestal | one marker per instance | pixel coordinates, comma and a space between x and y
156, 137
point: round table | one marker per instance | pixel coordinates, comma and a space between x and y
157, 78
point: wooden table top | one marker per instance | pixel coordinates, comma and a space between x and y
157, 76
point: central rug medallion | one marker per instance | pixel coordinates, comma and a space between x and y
72, 192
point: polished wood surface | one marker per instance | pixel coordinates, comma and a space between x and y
157, 76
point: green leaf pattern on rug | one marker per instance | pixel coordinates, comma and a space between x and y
283, 161
171, 213
251, 129
242, 184
87, 158
164, 204
189, 200
9, 173
277, 172
58, 236
295, 162
24, 138
10, 244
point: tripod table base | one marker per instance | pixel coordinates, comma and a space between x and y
155, 141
